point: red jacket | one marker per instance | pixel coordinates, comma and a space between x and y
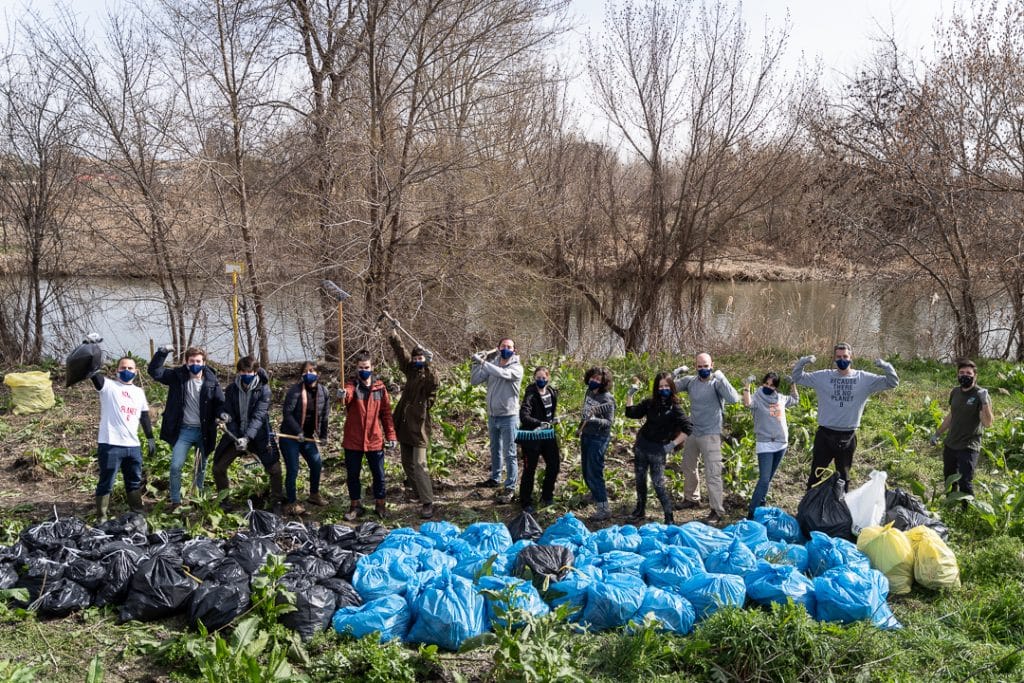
368, 420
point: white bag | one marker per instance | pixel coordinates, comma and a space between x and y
867, 503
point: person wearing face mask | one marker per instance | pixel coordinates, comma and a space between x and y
771, 431
595, 434
369, 429
970, 410
538, 411
194, 400
503, 375
665, 429
304, 422
412, 418
123, 408
709, 391
842, 395
247, 417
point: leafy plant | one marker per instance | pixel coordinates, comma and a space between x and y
368, 660
249, 656
12, 672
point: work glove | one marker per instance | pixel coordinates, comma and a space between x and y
545, 425
478, 358
166, 348
428, 355
804, 360
934, 439
389, 445
556, 420
983, 396
633, 390
242, 443
151, 446
301, 438
670, 447
92, 338
341, 393
750, 379
879, 363
225, 418
682, 369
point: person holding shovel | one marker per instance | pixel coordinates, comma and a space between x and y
412, 418
501, 371
303, 430
369, 429
246, 425
194, 400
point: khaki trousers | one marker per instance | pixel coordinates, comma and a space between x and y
414, 462
709, 446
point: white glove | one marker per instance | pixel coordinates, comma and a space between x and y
388, 445
224, 417
341, 393
428, 355
545, 425
879, 363
556, 420
680, 370
633, 390
983, 396
242, 443
478, 358
934, 439
92, 338
804, 360
167, 348
750, 379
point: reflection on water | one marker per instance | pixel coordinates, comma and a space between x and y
906, 319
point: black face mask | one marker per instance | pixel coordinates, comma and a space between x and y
966, 381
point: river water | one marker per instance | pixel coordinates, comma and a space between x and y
908, 319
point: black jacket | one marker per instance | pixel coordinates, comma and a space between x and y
292, 415
258, 409
664, 420
531, 410
211, 400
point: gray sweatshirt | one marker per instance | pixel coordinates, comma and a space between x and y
502, 385
769, 413
707, 401
841, 400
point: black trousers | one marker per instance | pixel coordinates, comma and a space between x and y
533, 451
960, 461
829, 445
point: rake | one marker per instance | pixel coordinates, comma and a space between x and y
534, 435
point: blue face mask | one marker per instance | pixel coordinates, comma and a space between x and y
246, 380
309, 377
664, 393
125, 376
704, 373
195, 368
541, 383
594, 384
842, 363
365, 374
418, 364
767, 391
506, 353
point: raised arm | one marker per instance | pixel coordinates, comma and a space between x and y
799, 376
156, 367
725, 389
890, 380
403, 357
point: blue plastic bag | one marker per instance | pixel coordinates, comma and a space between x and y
779, 524
441, 533
780, 552
567, 530
617, 538
524, 597
613, 602
671, 566
434, 561
448, 610
389, 616
614, 562
650, 545
699, 536
653, 529
770, 583
736, 558
572, 590
383, 573
406, 541
673, 612
751, 533
708, 593
846, 595
472, 566
825, 552
488, 537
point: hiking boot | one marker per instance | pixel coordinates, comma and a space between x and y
713, 518
688, 505
602, 513
317, 499
380, 507
294, 509
505, 497
669, 517
135, 501
102, 508
427, 511
639, 512
355, 511
488, 484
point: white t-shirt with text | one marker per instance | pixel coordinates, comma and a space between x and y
121, 406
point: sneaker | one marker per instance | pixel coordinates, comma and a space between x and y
317, 499
505, 497
713, 518
488, 484
602, 513
688, 505
427, 511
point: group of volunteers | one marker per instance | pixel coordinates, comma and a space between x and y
197, 409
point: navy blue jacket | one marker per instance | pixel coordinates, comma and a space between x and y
258, 420
211, 400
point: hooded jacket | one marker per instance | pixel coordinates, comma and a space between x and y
412, 412
211, 400
293, 412
368, 420
502, 385
254, 424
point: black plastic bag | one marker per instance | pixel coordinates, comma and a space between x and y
167, 536
314, 605
344, 561
128, 524
158, 589
544, 562
52, 536
345, 595
249, 552
200, 552
37, 573
368, 536
823, 508
62, 598
305, 563
216, 605
294, 534
81, 363
905, 519
338, 535
224, 570
8, 575
170, 550
120, 566
89, 573
263, 523
91, 541
897, 497
14, 553
524, 526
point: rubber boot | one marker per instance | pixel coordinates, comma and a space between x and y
354, 510
135, 501
102, 508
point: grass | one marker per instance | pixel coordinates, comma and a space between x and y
969, 634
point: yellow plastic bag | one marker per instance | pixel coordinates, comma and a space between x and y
890, 552
31, 392
935, 564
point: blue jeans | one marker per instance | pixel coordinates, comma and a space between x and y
501, 429
767, 463
353, 468
291, 449
128, 459
592, 450
187, 438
